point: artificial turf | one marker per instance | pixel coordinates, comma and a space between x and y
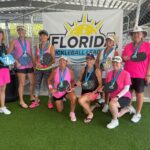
44, 129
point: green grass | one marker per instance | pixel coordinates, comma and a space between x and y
43, 129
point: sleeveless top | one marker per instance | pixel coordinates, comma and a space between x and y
110, 56
44, 67
18, 52
93, 77
2, 51
57, 81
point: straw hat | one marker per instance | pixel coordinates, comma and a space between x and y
137, 29
21, 27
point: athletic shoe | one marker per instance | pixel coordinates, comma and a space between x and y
101, 100
105, 108
5, 111
113, 124
136, 118
73, 116
131, 109
34, 104
50, 105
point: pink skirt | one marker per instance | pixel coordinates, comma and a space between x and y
4, 76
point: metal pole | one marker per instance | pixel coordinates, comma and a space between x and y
84, 5
32, 34
138, 12
7, 33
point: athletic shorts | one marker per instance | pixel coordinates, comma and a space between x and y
59, 99
138, 84
25, 71
124, 101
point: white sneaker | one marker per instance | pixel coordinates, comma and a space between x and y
5, 111
136, 118
101, 100
113, 124
73, 116
105, 108
131, 109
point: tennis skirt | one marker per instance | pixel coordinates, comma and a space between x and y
4, 76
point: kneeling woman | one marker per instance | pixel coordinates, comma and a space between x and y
90, 81
60, 77
117, 85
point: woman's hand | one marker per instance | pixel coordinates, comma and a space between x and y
114, 99
38, 65
53, 91
17, 63
126, 58
147, 79
78, 83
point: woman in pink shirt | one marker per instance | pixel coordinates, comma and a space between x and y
57, 80
136, 56
24, 63
117, 85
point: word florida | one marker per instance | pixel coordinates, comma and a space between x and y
61, 41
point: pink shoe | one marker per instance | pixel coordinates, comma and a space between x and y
34, 104
50, 105
73, 116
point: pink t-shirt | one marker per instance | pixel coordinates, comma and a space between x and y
122, 81
18, 52
137, 69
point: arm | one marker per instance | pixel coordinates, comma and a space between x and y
99, 78
97, 60
50, 80
124, 91
148, 73
80, 78
33, 59
52, 52
10, 49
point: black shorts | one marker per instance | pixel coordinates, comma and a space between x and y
138, 84
103, 82
59, 99
124, 101
25, 71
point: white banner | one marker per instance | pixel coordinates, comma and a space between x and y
75, 34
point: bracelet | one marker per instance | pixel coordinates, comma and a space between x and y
50, 86
148, 75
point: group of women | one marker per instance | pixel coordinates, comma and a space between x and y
108, 78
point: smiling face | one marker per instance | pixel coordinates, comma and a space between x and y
62, 63
137, 37
116, 65
90, 62
21, 33
43, 38
109, 43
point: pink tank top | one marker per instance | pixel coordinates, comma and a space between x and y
57, 81
18, 52
38, 57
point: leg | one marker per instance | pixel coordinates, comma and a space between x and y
31, 78
21, 79
113, 106
72, 97
46, 75
140, 100
2, 95
59, 105
84, 101
38, 81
